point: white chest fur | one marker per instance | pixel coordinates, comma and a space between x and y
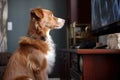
50, 54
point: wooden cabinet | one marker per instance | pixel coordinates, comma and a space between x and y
65, 66
91, 64
79, 11
77, 33
86, 64
84, 11
79, 27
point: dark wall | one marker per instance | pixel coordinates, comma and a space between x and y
18, 14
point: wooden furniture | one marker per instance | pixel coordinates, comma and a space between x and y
86, 64
79, 16
79, 32
4, 58
79, 11
90, 64
79, 21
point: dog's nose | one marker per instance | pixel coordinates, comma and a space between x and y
61, 20
60, 23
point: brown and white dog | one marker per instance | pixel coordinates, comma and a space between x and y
35, 56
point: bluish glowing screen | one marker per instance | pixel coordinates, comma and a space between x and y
104, 12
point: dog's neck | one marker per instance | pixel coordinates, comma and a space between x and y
38, 38
51, 53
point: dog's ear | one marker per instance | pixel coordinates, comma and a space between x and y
37, 13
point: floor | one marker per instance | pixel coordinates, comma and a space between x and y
54, 79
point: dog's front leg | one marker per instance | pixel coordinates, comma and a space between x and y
37, 63
42, 75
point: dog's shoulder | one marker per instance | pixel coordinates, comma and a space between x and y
29, 43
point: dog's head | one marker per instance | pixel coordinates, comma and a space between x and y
42, 20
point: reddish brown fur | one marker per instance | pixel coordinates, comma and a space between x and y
28, 61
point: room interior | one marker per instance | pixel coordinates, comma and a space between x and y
92, 61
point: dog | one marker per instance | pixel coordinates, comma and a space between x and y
35, 55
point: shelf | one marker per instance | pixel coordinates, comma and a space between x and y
98, 51
92, 51
77, 32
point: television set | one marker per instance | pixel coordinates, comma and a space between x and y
105, 17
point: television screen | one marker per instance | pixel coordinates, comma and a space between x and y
105, 16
